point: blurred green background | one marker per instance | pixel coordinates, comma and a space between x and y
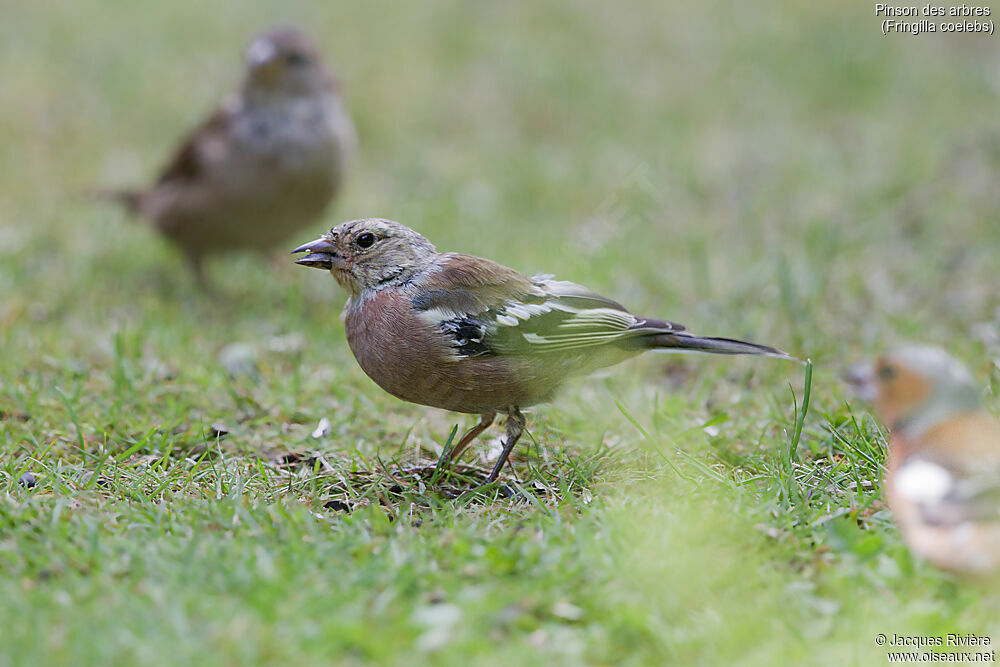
778, 171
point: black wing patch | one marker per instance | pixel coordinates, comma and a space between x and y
467, 336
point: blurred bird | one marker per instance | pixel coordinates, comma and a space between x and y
264, 165
943, 481
466, 334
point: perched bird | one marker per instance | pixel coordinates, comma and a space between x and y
943, 480
265, 164
466, 334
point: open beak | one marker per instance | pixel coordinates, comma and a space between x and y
861, 378
322, 255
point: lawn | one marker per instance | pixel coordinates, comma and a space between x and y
778, 171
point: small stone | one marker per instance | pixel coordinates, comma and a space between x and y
539, 638
567, 611
322, 429
239, 359
14, 416
496, 446
337, 506
27, 480
87, 476
290, 343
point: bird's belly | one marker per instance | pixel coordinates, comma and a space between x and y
307, 137
957, 544
408, 358
216, 223
249, 205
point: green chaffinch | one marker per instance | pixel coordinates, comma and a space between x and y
265, 164
943, 479
466, 334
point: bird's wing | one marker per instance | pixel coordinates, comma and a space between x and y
201, 147
487, 308
573, 317
463, 285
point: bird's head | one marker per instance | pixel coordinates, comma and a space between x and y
369, 254
915, 387
283, 61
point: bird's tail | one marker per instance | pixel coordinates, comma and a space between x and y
682, 341
130, 199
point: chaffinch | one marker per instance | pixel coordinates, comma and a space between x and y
466, 334
264, 164
943, 480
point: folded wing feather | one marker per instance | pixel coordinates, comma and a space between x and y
487, 308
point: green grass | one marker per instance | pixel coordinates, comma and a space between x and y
778, 171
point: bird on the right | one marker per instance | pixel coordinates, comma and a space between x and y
265, 164
943, 479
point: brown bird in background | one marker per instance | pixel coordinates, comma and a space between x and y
943, 480
466, 334
264, 165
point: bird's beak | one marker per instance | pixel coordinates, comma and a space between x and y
861, 378
262, 59
260, 53
322, 255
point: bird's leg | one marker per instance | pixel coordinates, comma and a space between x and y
515, 427
484, 423
194, 261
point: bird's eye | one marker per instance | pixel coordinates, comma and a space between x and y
887, 372
295, 59
365, 240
